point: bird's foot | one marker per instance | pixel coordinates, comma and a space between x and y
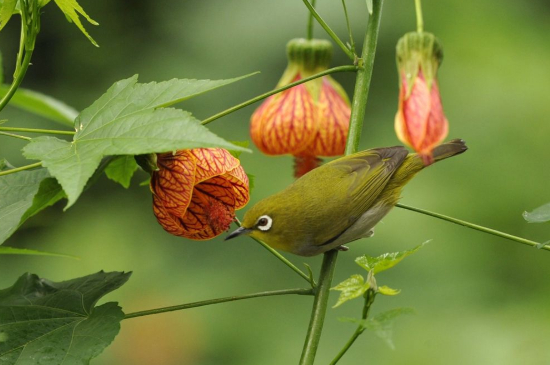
342, 248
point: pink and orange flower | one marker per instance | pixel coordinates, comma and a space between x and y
307, 120
420, 122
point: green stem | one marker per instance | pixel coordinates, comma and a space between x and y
419, 20
476, 227
359, 101
351, 42
280, 257
34, 130
17, 169
15, 136
218, 300
310, 22
364, 75
319, 308
369, 299
278, 90
329, 31
17, 80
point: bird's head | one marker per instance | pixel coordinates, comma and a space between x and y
263, 221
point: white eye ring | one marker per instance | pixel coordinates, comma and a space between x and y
264, 223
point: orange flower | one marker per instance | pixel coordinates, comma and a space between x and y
196, 192
308, 120
420, 122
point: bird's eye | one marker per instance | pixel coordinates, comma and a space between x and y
264, 223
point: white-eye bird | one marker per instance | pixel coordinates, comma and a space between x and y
338, 202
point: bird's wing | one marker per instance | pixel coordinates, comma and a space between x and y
364, 176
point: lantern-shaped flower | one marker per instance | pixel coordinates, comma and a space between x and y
420, 122
196, 192
307, 120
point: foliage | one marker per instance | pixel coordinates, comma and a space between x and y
58, 322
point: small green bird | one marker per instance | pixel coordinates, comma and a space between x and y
338, 202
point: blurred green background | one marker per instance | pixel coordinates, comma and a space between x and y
478, 299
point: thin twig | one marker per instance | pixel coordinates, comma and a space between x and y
218, 300
329, 31
477, 227
278, 90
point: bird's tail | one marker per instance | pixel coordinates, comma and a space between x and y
449, 149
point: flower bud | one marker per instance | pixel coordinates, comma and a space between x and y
420, 122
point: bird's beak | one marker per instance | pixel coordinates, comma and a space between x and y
237, 232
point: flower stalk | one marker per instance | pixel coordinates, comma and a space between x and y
358, 104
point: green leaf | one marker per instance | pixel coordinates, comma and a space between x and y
17, 192
244, 144
351, 288
385, 261
539, 215
44, 322
6, 11
42, 105
251, 180
121, 169
71, 9
126, 121
386, 290
23, 251
382, 324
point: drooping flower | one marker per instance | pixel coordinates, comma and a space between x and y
196, 192
307, 120
420, 122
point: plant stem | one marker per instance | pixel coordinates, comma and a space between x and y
15, 136
280, 257
17, 169
319, 308
34, 130
494, 232
310, 22
26, 45
218, 300
419, 20
351, 42
278, 90
369, 299
356, 124
329, 31
364, 75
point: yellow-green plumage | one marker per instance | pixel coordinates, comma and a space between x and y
338, 202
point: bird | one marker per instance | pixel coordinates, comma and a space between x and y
338, 202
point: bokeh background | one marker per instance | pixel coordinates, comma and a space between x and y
478, 299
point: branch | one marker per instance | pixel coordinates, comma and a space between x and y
494, 232
34, 130
218, 300
329, 31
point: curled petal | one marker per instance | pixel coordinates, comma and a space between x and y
212, 162
238, 178
285, 123
173, 182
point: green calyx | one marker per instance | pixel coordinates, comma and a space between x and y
147, 162
305, 58
309, 54
418, 51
